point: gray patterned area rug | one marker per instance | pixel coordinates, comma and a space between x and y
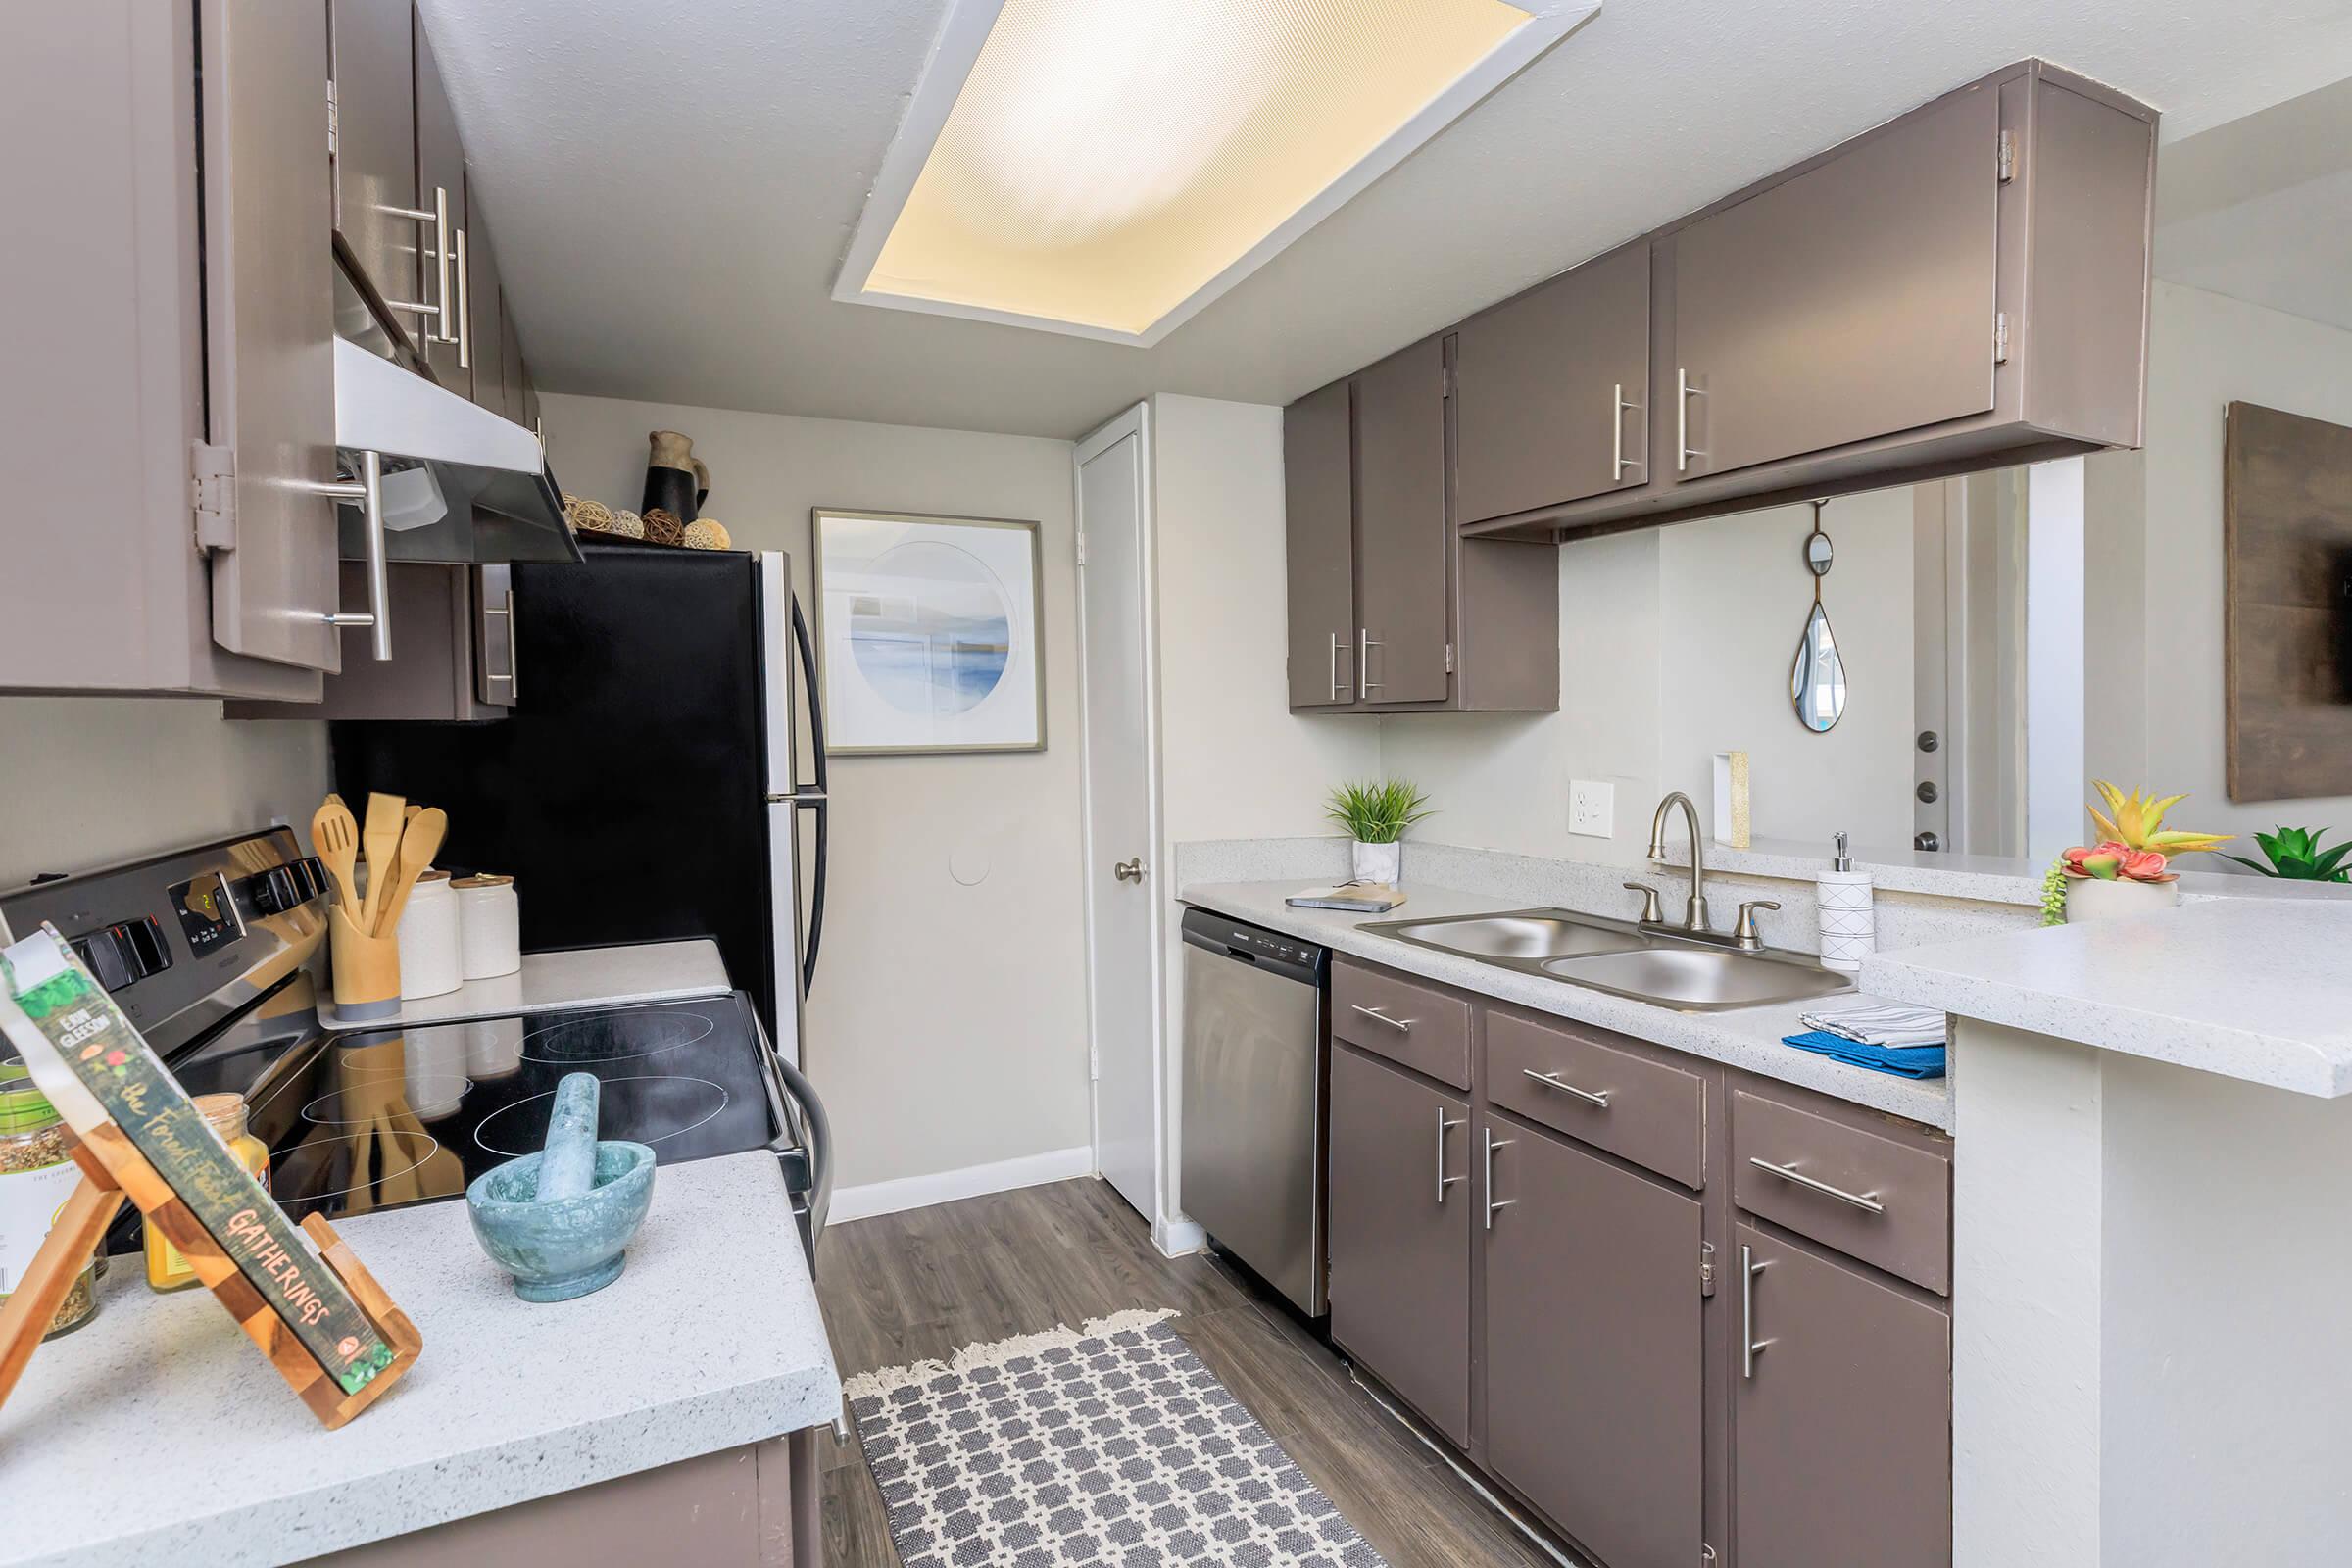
1108, 1445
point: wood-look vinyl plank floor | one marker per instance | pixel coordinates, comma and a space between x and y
921, 1285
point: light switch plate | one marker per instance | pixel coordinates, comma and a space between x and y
1591, 808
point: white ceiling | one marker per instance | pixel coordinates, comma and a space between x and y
672, 182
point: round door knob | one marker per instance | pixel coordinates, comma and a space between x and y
1927, 841
1129, 871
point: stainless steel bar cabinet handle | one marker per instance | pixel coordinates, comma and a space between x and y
1493, 1203
367, 489
1749, 1345
1444, 1125
1617, 413
1684, 393
437, 310
1404, 1026
1789, 1173
1552, 1080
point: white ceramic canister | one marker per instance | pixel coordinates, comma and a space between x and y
1850, 928
489, 926
427, 934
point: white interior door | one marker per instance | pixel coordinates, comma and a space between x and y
1118, 695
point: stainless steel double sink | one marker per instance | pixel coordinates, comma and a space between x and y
1623, 958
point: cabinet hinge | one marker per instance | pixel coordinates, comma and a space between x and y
1706, 1556
1706, 1269
1445, 382
213, 495
2000, 337
1450, 659
334, 118
2008, 156
1082, 550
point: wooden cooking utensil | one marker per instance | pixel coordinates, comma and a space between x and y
381, 840
335, 839
420, 842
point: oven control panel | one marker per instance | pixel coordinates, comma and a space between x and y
175, 939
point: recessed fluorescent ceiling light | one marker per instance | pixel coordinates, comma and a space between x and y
1108, 168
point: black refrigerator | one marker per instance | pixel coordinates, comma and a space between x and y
646, 784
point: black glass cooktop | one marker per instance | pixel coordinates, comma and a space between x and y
371, 1119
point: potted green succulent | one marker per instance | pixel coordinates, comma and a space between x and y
1376, 814
2295, 856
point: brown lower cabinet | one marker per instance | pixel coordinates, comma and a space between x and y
1842, 1452
1401, 1213
1596, 1358
1664, 1376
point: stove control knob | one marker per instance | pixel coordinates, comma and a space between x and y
275, 891
108, 954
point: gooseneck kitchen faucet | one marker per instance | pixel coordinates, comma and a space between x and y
1695, 913
1743, 934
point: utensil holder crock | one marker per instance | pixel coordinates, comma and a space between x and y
367, 969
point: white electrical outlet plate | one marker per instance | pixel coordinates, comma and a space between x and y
1591, 808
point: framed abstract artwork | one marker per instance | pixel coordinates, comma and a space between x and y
2287, 626
927, 633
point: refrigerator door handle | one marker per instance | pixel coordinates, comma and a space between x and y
814, 797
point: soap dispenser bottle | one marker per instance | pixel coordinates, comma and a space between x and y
1849, 923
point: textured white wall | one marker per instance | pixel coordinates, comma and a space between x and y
1235, 762
1674, 644
85, 781
1734, 594
948, 1027
2205, 351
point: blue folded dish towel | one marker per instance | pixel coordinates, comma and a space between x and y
1904, 1062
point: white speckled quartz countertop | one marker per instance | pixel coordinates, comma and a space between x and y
1749, 1038
2255, 988
157, 1433
620, 976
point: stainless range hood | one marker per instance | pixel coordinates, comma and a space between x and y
458, 484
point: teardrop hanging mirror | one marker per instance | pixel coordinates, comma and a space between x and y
1817, 678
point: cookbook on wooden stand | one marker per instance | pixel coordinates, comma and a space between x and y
299, 1294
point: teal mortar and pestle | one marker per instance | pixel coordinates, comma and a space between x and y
558, 1220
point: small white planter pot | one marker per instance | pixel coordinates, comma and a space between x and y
1377, 862
2091, 899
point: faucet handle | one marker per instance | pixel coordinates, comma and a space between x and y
1744, 930
1651, 912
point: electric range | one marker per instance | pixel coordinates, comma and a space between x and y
383, 1117
206, 949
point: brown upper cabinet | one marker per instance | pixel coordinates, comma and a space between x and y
441, 186
1390, 609
485, 329
227, 169
170, 534
1961, 288
1402, 647
1551, 390
1318, 449
376, 158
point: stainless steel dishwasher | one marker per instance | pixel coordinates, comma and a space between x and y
1256, 1084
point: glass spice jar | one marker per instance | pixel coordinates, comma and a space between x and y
167, 1269
37, 1174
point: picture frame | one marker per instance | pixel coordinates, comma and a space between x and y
929, 632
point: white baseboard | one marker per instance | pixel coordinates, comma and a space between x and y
947, 1186
1177, 1238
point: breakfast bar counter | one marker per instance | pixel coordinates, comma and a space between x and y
156, 1434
